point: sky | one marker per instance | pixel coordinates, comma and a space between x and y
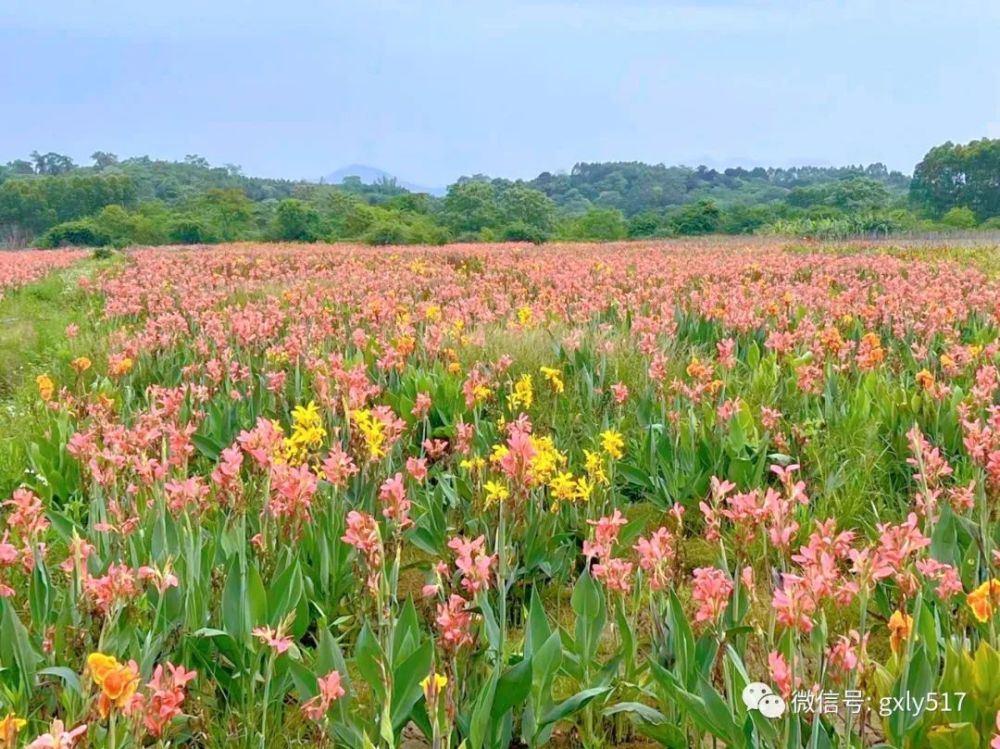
430, 91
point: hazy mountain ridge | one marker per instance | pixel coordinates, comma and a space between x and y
370, 175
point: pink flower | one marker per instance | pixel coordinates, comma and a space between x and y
362, 533
330, 691
58, 737
338, 466
473, 562
454, 623
620, 392
422, 405
655, 557
712, 588
781, 675
417, 468
166, 696
274, 639
616, 574
397, 507
605, 535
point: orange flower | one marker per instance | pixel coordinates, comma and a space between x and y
925, 379
984, 600
118, 681
900, 626
80, 364
9, 727
45, 387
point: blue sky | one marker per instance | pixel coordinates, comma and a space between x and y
433, 90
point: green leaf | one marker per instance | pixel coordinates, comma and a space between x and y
285, 592
406, 680
68, 676
571, 705
954, 736
512, 689
368, 659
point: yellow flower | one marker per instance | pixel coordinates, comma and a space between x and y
495, 492
80, 364
373, 432
900, 626
984, 599
524, 315
925, 379
546, 459
613, 443
9, 727
46, 387
433, 313
523, 394
121, 366
473, 464
593, 464
432, 684
584, 488
481, 393
563, 486
498, 453
554, 378
118, 681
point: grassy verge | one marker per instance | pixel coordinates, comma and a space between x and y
33, 340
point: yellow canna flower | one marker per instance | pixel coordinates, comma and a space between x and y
80, 364
46, 387
9, 728
554, 378
984, 599
118, 681
613, 443
432, 684
900, 626
495, 492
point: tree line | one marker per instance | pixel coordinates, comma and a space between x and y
48, 200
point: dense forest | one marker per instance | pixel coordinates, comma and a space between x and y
48, 200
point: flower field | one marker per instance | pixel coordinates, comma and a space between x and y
649, 494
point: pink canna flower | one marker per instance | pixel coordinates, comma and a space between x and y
656, 555
226, 474
363, 534
392, 494
58, 737
166, 695
711, 591
274, 639
330, 690
794, 603
781, 675
616, 574
421, 406
187, 494
417, 468
620, 393
473, 562
338, 466
454, 623
605, 535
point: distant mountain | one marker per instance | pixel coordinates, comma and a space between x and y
371, 174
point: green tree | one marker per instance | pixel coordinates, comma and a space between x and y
703, 217
532, 211
471, 205
228, 209
296, 220
959, 217
601, 223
